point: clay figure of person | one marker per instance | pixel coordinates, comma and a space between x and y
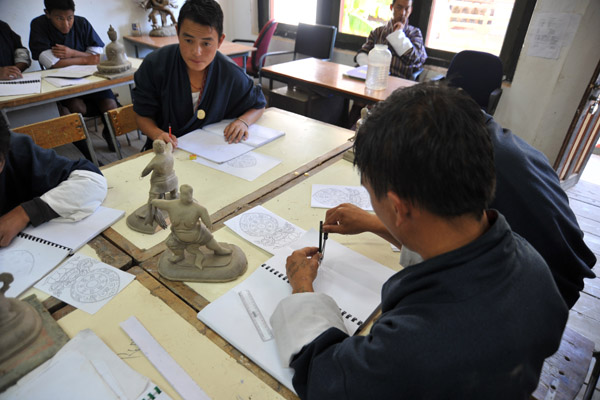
190, 226
163, 179
116, 60
160, 7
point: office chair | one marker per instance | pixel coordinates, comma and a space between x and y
60, 131
313, 41
256, 60
480, 75
121, 121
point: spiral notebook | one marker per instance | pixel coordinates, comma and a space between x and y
38, 250
351, 279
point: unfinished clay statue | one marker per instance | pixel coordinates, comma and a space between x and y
163, 184
193, 253
116, 61
20, 324
161, 8
364, 113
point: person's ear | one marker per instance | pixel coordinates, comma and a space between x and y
402, 208
47, 13
221, 39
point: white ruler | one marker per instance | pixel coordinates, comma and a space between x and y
256, 316
162, 361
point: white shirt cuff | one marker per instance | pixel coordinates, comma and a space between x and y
300, 318
22, 56
362, 58
400, 43
48, 59
94, 50
78, 196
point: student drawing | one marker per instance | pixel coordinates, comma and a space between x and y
17, 262
243, 161
329, 197
267, 230
85, 283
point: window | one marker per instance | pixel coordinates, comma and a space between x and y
448, 26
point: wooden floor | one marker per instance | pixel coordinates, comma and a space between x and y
584, 199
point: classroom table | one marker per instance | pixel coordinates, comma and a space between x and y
306, 144
27, 109
228, 48
327, 76
219, 370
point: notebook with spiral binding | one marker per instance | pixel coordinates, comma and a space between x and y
351, 279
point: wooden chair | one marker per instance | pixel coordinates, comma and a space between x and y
121, 121
59, 131
564, 373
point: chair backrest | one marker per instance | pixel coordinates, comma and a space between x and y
59, 131
478, 73
121, 120
262, 42
315, 41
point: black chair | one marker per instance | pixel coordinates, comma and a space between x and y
479, 74
315, 41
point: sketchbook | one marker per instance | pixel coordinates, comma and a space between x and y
38, 250
353, 280
72, 72
28, 84
357, 73
209, 142
62, 82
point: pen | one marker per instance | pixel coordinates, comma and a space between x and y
325, 235
320, 235
170, 134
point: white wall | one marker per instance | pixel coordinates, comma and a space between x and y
544, 95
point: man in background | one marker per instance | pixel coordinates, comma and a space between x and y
14, 58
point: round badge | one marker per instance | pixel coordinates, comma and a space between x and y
201, 114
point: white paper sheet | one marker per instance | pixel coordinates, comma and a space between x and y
549, 31
258, 135
211, 146
76, 234
28, 261
30, 83
62, 82
85, 368
329, 196
351, 279
248, 166
85, 283
264, 229
72, 71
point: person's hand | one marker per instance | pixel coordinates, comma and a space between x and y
301, 268
398, 25
236, 131
347, 219
165, 137
62, 51
10, 72
12, 223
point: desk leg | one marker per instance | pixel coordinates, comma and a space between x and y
136, 51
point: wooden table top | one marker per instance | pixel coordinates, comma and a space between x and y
228, 48
330, 76
50, 92
307, 143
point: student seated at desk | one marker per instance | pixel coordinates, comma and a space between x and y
14, 58
188, 85
476, 318
59, 38
38, 185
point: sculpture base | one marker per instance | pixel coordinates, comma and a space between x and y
113, 69
164, 31
50, 339
136, 221
215, 268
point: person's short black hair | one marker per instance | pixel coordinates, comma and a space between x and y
59, 5
4, 138
203, 12
429, 144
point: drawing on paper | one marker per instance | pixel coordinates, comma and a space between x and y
85, 285
132, 351
333, 197
243, 161
267, 230
17, 262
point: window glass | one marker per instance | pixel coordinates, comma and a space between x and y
360, 17
456, 25
293, 12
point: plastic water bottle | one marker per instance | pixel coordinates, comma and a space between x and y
379, 67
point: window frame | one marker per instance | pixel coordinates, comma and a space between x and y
328, 13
